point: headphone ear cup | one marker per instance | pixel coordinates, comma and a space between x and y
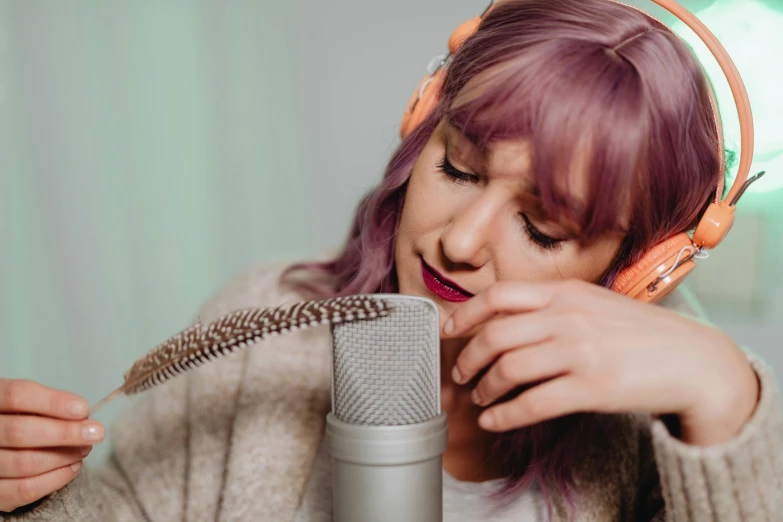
425, 97
462, 33
422, 102
635, 280
714, 225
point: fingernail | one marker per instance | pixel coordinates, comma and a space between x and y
92, 433
475, 397
449, 327
76, 467
456, 375
77, 408
86, 450
487, 421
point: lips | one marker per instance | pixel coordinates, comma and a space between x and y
441, 286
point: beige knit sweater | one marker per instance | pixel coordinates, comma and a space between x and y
235, 441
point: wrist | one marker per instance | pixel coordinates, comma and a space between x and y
722, 417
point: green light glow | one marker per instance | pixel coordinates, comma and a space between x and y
751, 33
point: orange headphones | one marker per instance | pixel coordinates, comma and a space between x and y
667, 264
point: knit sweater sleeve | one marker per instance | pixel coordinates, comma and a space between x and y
738, 481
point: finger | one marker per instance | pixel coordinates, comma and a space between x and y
22, 396
33, 462
15, 493
519, 367
551, 399
499, 336
501, 297
28, 431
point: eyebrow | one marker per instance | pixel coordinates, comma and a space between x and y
474, 140
482, 155
468, 151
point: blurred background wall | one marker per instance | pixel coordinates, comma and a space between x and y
151, 150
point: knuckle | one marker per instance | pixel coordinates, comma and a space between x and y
56, 402
28, 491
24, 463
586, 357
501, 417
506, 370
67, 433
16, 431
581, 321
497, 295
604, 387
493, 334
535, 409
14, 394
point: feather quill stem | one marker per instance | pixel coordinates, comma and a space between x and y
201, 343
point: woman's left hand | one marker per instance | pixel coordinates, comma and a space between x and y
586, 348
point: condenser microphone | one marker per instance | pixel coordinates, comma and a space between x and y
386, 432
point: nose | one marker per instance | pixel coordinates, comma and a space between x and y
466, 239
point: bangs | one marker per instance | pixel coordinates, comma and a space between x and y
581, 109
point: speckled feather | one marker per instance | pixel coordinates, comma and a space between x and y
200, 343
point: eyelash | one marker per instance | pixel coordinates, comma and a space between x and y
535, 235
455, 174
539, 238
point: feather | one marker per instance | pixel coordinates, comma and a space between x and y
201, 343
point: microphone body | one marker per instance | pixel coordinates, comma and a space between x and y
387, 473
386, 432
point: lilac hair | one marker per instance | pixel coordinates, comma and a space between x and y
590, 83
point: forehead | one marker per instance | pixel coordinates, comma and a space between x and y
514, 159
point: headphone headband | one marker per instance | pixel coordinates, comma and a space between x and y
740, 94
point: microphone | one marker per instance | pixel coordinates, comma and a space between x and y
386, 432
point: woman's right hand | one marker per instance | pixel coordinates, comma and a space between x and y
44, 435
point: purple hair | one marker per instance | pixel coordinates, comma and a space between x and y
591, 84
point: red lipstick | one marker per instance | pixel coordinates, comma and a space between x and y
441, 286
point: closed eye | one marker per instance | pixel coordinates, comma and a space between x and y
455, 174
538, 237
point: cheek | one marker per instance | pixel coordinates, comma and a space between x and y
590, 263
519, 260
411, 223
425, 209
417, 228
603, 254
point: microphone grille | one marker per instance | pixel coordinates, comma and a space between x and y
386, 372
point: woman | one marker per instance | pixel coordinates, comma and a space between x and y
571, 136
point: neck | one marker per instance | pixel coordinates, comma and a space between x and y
468, 455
